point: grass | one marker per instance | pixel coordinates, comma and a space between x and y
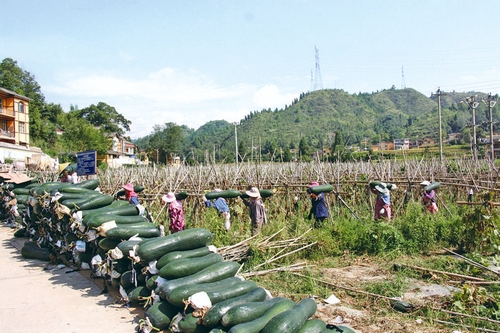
412, 238
412, 232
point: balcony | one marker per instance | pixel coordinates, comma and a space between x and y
6, 134
7, 112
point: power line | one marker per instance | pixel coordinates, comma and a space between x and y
490, 103
473, 104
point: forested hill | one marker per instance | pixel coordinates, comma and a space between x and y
317, 116
320, 114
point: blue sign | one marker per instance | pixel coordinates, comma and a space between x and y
86, 163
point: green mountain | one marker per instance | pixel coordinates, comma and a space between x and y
317, 116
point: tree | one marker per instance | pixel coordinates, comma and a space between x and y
79, 135
167, 139
12, 77
287, 155
271, 148
242, 150
53, 113
304, 149
338, 143
105, 116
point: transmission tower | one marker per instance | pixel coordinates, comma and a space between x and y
318, 82
403, 83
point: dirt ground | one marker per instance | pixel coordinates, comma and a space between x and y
57, 301
371, 319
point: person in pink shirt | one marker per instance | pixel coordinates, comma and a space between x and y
175, 212
130, 194
382, 203
429, 198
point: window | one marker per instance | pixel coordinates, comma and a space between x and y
4, 125
21, 107
21, 128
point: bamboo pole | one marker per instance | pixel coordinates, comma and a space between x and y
471, 261
281, 251
465, 326
286, 254
290, 268
479, 283
469, 203
467, 315
442, 272
331, 284
444, 205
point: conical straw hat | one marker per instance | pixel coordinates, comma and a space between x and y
62, 167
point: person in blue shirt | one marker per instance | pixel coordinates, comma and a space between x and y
318, 206
222, 207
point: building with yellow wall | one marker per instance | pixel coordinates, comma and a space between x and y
15, 129
14, 118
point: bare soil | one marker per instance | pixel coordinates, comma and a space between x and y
375, 315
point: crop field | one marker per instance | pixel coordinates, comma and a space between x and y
366, 264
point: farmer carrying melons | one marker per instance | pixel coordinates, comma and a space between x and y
256, 209
429, 197
175, 212
222, 207
130, 194
318, 206
383, 202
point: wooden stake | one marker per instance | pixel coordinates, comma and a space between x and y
444, 205
276, 258
466, 326
471, 261
444, 273
348, 289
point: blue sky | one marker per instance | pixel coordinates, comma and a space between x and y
190, 62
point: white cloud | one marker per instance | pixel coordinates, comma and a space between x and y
269, 96
468, 79
168, 95
125, 56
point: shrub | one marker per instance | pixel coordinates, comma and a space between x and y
417, 228
102, 166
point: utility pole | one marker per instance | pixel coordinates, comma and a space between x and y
470, 101
157, 154
236, 143
439, 94
252, 149
491, 103
260, 150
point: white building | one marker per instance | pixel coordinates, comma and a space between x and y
400, 144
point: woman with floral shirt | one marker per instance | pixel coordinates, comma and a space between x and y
175, 213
